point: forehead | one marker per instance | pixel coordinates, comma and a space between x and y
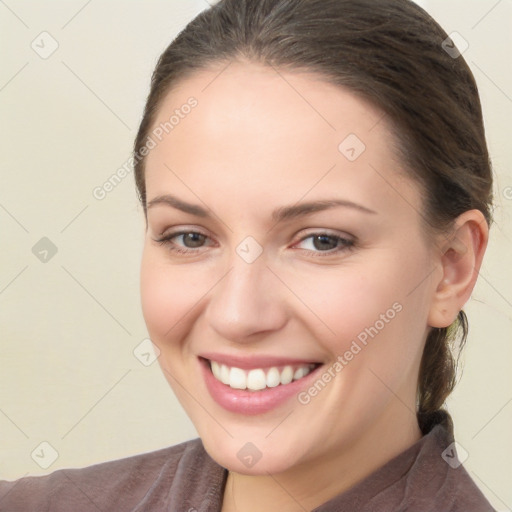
256, 129
243, 99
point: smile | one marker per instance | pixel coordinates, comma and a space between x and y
257, 379
255, 384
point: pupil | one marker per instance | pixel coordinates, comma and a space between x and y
193, 239
323, 242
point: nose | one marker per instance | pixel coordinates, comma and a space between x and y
248, 301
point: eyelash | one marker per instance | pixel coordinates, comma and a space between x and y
345, 244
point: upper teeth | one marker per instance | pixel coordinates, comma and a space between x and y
257, 379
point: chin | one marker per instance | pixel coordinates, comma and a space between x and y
246, 459
260, 456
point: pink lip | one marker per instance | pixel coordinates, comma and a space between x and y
252, 402
250, 362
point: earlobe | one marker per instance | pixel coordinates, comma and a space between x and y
460, 260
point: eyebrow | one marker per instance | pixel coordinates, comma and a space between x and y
278, 215
301, 209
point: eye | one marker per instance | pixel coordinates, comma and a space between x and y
325, 243
184, 241
191, 240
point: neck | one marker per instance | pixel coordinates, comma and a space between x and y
311, 484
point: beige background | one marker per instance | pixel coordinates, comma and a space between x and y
69, 326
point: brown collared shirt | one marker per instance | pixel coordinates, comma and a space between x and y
184, 478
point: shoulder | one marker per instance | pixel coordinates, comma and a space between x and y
426, 477
113, 485
438, 479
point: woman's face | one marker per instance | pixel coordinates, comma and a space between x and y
293, 245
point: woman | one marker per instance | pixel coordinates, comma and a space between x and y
317, 190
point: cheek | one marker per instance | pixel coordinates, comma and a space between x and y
338, 305
168, 298
375, 335
371, 303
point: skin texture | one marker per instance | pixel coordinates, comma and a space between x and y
261, 139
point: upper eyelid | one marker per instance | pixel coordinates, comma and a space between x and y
327, 232
170, 232
313, 232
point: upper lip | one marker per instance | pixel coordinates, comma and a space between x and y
255, 361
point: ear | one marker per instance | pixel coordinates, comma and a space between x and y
460, 258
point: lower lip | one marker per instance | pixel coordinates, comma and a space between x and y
252, 402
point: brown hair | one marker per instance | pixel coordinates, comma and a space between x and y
389, 52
